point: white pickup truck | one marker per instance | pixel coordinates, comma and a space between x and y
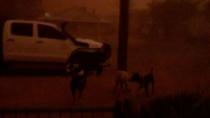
37, 42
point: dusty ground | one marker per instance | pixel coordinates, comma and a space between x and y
51, 91
178, 67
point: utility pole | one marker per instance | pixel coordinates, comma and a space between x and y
123, 35
153, 25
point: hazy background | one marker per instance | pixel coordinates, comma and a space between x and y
172, 36
102, 8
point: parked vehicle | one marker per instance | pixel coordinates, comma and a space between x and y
38, 42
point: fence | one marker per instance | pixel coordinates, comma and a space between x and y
105, 112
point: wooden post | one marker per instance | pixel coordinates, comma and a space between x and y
123, 35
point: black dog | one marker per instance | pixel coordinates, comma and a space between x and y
78, 82
144, 81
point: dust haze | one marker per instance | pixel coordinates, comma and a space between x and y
171, 36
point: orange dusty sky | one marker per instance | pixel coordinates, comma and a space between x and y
101, 7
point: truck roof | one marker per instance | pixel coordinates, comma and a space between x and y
31, 21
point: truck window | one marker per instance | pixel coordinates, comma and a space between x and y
49, 32
23, 29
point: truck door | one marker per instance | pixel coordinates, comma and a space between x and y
54, 45
19, 43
